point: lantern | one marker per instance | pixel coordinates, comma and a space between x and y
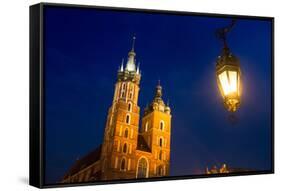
228, 73
229, 79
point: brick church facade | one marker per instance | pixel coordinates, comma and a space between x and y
129, 150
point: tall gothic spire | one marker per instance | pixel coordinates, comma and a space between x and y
131, 65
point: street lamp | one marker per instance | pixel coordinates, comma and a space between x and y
228, 73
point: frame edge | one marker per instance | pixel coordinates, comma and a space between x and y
35, 172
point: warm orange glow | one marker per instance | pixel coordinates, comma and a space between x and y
229, 83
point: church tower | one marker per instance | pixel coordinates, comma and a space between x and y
156, 130
121, 131
127, 151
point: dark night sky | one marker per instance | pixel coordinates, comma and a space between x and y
83, 50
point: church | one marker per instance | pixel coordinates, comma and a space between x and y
129, 151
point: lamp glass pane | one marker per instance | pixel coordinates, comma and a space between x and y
232, 81
224, 83
238, 85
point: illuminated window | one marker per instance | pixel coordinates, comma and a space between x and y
142, 168
126, 133
160, 171
128, 119
131, 91
125, 148
123, 164
162, 125
161, 142
122, 94
123, 86
130, 107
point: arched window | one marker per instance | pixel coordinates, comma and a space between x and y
146, 127
123, 86
128, 119
131, 91
162, 125
122, 94
125, 148
160, 171
160, 155
130, 107
142, 171
160, 141
131, 95
123, 164
126, 134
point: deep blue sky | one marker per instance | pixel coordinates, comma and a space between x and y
83, 49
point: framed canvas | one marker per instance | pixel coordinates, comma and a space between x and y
130, 95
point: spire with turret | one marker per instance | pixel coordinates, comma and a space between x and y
158, 103
130, 72
131, 65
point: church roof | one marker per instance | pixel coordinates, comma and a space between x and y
142, 145
85, 161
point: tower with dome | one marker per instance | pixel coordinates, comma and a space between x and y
129, 150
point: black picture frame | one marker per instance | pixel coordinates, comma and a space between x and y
36, 131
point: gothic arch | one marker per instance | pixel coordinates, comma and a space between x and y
160, 170
126, 133
125, 148
130, 106
162, 125
142, 168
123, 164
128, 119
161, 141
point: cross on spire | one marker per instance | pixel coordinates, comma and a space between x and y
133, 44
